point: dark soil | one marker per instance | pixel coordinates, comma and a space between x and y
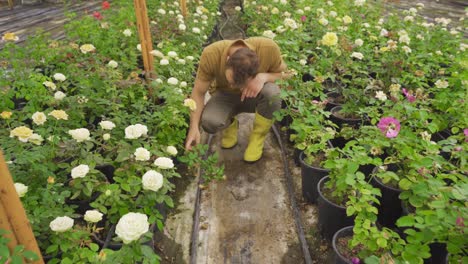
344, 250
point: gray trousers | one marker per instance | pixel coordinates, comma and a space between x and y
223, 106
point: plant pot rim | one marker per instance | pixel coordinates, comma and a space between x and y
379, 182
344, 231
337, 108
319, 190
301, 160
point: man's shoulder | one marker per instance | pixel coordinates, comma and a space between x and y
261, 41
216, 46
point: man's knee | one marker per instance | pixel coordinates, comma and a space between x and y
270, 90
212, 124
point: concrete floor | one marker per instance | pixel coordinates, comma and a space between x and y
247, 218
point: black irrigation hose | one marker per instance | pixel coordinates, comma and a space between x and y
297, 215
196, 221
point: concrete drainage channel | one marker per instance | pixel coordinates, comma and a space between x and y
253, 216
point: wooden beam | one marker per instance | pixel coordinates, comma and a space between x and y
5, 225
145, 37
183, 7
15, 213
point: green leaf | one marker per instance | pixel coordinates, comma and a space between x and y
382, 242
350, 210
405, 221
94, 247
438, 204
405, 184
52, 248
30, 255
4, 252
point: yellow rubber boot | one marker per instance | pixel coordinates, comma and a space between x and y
260, 130
229, 139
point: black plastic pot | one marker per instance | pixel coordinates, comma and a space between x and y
108, 170
331, 217
310, 177
390, 208
439, 254
297, 152
341, 121
338, 258
332, 100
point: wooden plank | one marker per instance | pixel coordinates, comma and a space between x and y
5, 225
15, 211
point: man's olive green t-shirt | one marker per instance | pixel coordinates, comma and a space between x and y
212, 65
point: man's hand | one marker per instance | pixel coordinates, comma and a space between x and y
253, 87
193, 138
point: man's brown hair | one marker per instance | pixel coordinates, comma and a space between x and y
244, 65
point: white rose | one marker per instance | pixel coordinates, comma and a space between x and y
50, 85
171, 150
172, 54
87, 48
107, 125
183, 84
59, 95
39, 118
164, 62
36, 139
237, 8
381, 96
157, 53
441, 84
275, 10
290, 23
21, 189
333, 14
181, 61
164, 163
189, 58
357, 55
127, 32
61, 224
152, 180
172, 81
269, 34
93, 216
359, 2
139, 47
323, 21
358, 42
113, 64
131, 227
106, 136
80, 134
196, 30
79, 171
161, 11
303, 62
142, 154
182, 27
135, 131
59, 77
383, 32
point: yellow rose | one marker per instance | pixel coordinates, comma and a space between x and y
191, 104
10, 36
329, 39
6, 114
23, 133
59, 114
347, 20
87, 48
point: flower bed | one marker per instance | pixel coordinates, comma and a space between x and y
91, 144
405, 78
